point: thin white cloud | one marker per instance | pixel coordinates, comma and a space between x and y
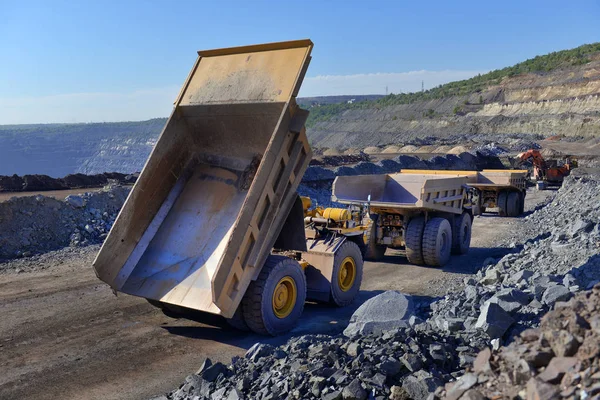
158, 102
89, 107
375, 83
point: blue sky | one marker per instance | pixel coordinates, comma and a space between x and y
83, 61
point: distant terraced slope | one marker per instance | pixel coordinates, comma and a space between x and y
556, 94
61, 149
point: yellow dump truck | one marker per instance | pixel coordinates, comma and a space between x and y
428, 215
214, 222
500, 189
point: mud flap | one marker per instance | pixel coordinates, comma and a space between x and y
319, 272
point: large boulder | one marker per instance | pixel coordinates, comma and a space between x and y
493, 320
386, 311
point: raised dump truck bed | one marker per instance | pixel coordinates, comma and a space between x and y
503, 190
426, 214
213, 196
218, 193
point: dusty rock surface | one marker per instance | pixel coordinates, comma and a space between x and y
560, 359
37, 224
82, 342
505, 300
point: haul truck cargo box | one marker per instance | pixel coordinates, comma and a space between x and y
402, 191
212, 198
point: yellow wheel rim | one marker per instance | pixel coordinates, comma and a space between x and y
284, 297
347, 274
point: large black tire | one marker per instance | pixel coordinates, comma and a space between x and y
521, 203
512, 204
502, 199
347, 274
461, 234
413, 241
237, 321
372, 250
437, 242
258, 303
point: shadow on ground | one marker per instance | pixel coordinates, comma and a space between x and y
317, 318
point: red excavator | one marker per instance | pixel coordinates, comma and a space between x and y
546, 173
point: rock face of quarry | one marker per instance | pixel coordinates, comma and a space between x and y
61, 149
562, 102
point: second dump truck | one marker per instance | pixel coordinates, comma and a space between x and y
214, 222
426, 214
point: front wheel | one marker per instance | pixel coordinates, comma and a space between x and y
461, 234
347, 274
274, 302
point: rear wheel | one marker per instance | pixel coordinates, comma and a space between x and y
414, 241
461, 234
347, 274
373, 250
437, 242
237, 321
513, 204
521, 203
502, 198
275, 300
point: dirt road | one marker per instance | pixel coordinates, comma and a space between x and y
63, 333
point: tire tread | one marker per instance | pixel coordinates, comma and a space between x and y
252, 301
414, 241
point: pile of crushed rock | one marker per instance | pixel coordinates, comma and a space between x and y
334, 161
385, 353
414, 353
559, 257
37, 224
560, 359
463, 161
34, 183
